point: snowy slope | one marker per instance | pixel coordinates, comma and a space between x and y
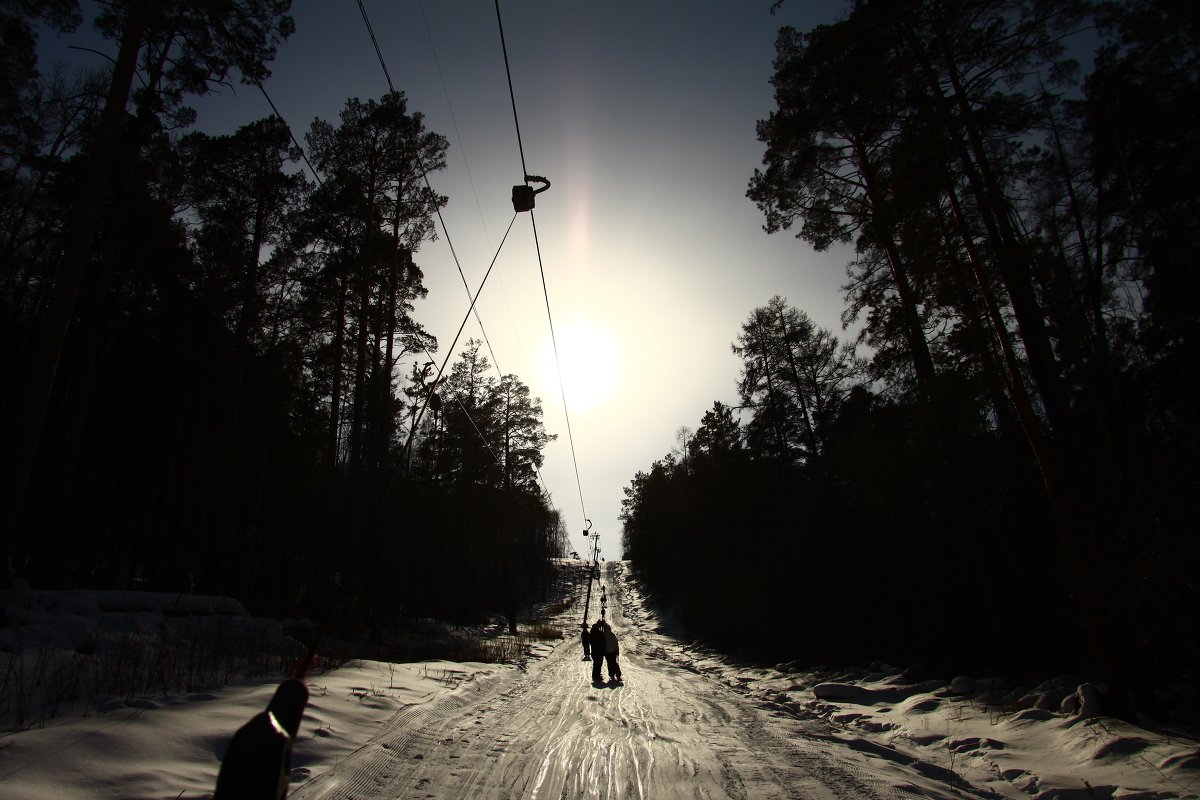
1050, 744
687, 723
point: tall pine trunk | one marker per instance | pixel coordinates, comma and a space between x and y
333, 435
805, 414
1013, 260
27, 419
915, 333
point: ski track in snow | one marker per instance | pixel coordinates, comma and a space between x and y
547, 732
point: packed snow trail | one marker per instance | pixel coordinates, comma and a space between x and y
548, 732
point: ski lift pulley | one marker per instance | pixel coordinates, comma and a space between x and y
522, 195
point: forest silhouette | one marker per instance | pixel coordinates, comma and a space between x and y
1006, 479
201, 345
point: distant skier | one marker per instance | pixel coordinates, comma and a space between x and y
611, 651
597, 636
584, 636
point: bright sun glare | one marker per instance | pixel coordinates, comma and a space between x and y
590, 364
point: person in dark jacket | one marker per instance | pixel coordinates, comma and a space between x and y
597, 649
258, 763
611, 651
585, 637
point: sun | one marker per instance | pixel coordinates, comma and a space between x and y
590, 361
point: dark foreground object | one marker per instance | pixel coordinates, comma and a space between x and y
259, 759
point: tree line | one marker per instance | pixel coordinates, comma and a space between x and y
999, 472
214, 380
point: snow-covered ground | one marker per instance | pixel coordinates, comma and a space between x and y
687, 723
970, 737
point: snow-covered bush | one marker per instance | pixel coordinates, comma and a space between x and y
75, 650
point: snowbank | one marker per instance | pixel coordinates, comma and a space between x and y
966, 736
171, 747
1049, 742
71, 652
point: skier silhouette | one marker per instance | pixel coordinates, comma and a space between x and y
611, 651
584, 636
597, 643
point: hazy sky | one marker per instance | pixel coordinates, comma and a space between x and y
642, 114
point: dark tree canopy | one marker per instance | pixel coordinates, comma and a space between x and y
1024, 288
214, 362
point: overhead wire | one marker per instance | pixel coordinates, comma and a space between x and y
424, 173
541, 268
441, 370
375, 42
511, 96
558, 365
474, 299
471, 310
425, 176
462, 150
303, 155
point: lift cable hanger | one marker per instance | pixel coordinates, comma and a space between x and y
523, 200
522, 194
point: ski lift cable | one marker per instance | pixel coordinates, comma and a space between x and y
387, 489
461, 274
558, 366
483, 438
317, 176
320, 182
446, 232
541, 269
450, 350
466, 287
462, 149
458, 401
425, 174
511, 96
449, 242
